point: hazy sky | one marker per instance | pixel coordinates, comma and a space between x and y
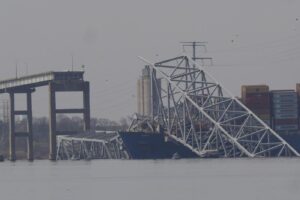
251, 42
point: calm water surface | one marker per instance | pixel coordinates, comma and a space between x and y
241, 179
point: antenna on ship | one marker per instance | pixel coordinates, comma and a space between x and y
194, 45
72, 58
16, 69
83, 68
26, 65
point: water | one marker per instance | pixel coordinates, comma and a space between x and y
241, 179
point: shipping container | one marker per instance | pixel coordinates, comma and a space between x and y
287, 101
284, 104
257, 99
268, 122
285, 110
258, 95
285, 121
284, 94
298, 88
258, 105
261, 111
264, 116
254, 88
286, 127
278, 108
247, 89
284, 116
291, 106
298, 95
262, 108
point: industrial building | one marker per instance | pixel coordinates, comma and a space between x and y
147, 94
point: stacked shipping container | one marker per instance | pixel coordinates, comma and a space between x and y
284, 110
257, 99
298, 95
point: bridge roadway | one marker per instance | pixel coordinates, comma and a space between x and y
63, 81
41, 79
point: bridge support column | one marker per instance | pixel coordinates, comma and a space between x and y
52, 122
12, 129
12, 136
82, 86
29, 128
86, 106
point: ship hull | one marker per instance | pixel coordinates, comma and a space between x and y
293, 140
142, 145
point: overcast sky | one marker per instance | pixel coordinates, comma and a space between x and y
251, 42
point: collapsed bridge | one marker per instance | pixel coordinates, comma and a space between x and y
97, 145
193, 109
197, 111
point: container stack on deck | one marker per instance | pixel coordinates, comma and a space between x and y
257, 99
278, 108
298, 95
284, 111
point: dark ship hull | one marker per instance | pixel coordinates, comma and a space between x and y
141, 145
293, 140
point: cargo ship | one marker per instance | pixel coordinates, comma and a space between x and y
145, 145
293, 140
277, 108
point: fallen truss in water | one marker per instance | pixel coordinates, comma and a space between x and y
197, 111
91, 146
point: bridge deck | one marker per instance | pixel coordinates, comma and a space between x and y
41, 79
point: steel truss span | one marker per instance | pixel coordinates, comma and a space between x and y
197, 111
74, 148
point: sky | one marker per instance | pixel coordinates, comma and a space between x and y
251, 42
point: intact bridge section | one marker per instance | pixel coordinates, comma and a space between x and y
70, 81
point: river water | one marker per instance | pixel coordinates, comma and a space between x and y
205, 179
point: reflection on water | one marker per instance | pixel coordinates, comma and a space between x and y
265, 179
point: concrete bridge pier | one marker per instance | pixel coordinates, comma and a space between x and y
86, 106
71, 81
52, 122
68, 86
28, 134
